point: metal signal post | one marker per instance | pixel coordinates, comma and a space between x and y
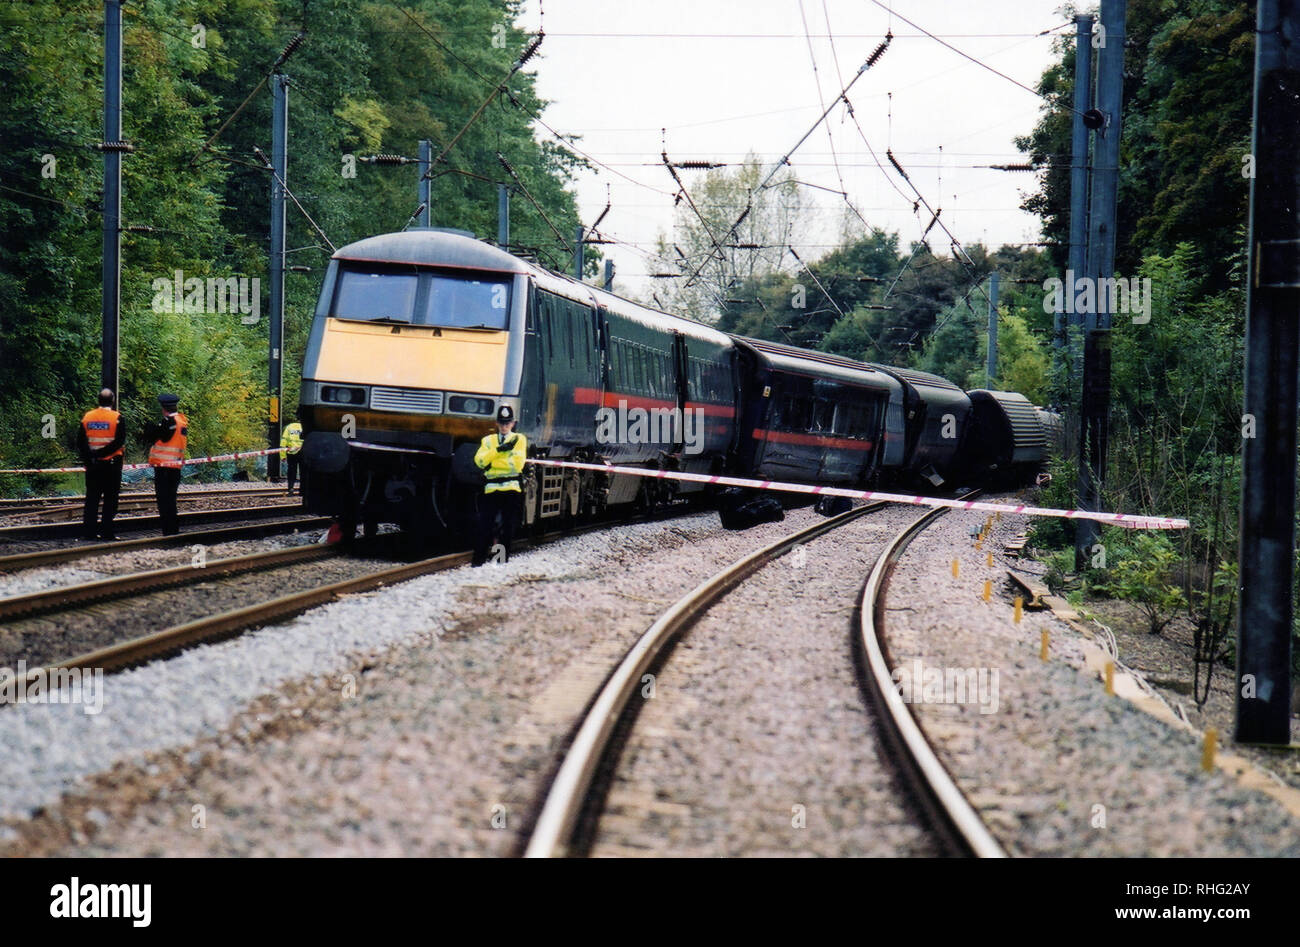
279, 161
112, 148
1268, 483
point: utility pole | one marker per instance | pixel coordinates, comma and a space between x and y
609, 276
279, 179
503, 217
993, 328
426, 183
1268, 483
1094, 406
112, 147
1077, 263
577, 253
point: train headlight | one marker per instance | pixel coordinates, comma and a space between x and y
460, 404
340, 394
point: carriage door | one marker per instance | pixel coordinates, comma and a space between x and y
680, 368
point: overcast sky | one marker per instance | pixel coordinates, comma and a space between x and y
725, 78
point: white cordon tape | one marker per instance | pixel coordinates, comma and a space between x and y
188, 461
1117, 519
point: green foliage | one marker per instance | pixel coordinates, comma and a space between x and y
368, 78
1143, 577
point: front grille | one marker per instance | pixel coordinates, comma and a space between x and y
406, 399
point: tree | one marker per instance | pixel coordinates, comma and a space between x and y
718, 258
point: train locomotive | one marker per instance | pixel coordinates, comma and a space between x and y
419, 337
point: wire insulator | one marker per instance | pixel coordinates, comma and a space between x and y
529, 53
387, 159
897, 167
879, 51
1013, 167
119, 146
697, 165
289, 50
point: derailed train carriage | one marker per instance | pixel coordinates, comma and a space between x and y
419, 337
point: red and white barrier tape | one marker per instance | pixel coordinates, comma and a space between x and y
1116, 519
192, 460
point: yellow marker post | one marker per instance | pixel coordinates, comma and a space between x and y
1020, 607
1207, 753
954, 568
990, 557
988, 590
1110, 678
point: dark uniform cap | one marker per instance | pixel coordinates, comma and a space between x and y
168, 400
505, 414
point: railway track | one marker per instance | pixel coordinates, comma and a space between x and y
227, 623
46, 557
73, 506
567, 821
8, 504
36, 532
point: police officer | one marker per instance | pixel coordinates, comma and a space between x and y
291, 440
166, 456
100, 442
501, 457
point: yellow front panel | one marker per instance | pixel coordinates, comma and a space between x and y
413, 357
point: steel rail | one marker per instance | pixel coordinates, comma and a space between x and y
227, 624
949, 809
39, 531
43, 557
230, 623
20, 503
119, 586
134, 500
553, 832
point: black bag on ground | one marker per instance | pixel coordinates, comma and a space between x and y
739, 510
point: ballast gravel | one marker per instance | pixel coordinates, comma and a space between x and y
93, 568
758, 740
1053, 764
420, 719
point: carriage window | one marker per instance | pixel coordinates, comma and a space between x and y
823, 415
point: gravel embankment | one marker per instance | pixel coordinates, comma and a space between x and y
42, 639
414, 720
1058, 768
127, 561
758, 740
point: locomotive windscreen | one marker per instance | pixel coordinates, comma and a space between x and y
416, 296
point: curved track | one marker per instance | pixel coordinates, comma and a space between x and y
952, 816
571, 796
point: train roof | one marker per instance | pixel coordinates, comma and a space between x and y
433, 246
788, 358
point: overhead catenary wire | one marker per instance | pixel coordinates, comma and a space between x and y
978, 62
785, 160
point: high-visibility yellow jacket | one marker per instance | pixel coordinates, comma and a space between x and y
291, 437
503, 468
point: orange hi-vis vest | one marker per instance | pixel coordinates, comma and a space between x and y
171, 452
100, 425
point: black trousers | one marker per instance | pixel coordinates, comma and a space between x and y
103, 482
503, 505
166, 480
291, 466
